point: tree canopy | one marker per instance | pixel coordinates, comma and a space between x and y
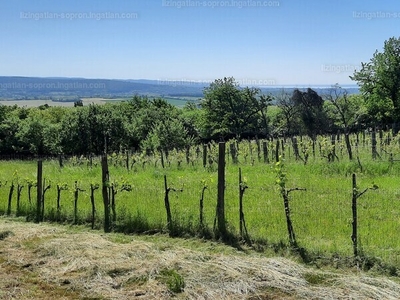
379, 81
230, 110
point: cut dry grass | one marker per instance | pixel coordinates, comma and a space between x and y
47, 262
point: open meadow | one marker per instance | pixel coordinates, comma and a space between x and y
321, 215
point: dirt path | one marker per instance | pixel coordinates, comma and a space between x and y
53, 262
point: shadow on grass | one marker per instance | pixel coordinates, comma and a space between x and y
317, 259
181, 228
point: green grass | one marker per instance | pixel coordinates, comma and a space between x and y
181, 101
172, 279
321, 215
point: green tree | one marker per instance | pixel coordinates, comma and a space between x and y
166, 129
9, 143
379, 81
30, 134
230, 110
288, 119
311, 111
345, 110
192, 118
94, 128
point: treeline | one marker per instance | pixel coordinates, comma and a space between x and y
140, 123
153, 124
226, 111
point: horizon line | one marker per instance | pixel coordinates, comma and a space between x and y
194, 82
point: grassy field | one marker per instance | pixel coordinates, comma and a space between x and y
321, 214
181, 101
177, 101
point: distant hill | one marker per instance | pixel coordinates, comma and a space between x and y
70, 89
65, 88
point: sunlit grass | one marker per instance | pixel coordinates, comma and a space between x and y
321, 215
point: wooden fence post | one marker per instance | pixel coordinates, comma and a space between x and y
204, 155
93, 187
162, 159
19, 191
357, 194
167, 206
76, 195
289, 224
44, 190
39, 191
242, 222
373, 138
333, 151
258, 148
348, 144
354, 210
221, 191
105, 182
10, 194
241, 214
187, 154
277, 151
265, 151
295, 148
202, 206
363, 138
60, 160
233, 151
128, 154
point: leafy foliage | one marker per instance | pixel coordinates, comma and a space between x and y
379, 80
233, 111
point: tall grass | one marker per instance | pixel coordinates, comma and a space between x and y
321, 215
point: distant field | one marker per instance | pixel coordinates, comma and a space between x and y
35, 103
180, 101
87, 101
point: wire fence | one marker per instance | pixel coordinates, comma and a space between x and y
322, 215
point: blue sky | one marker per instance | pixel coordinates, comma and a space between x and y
282, 42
